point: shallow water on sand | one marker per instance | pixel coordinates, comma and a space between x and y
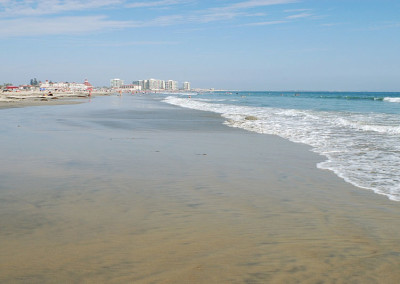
357, 133
124, 190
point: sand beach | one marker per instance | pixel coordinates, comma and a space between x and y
39, 98
127, 189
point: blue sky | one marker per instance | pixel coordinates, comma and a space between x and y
348, 45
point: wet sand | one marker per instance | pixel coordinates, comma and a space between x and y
130, 190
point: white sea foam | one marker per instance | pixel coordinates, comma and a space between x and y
392, 100
364, 123
181, 93
360, 148
213, 100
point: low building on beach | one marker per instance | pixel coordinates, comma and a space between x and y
65, 86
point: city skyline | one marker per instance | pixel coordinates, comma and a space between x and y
242, 45
150, 84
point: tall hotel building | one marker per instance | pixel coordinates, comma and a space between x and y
171, 85
186, 86
116, 83
158, 85
155, 84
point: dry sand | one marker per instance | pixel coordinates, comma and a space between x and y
30, 98
150, 193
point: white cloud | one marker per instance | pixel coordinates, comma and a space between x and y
384, 26
133, 43
331, 24
267, 23
49, 17
238, 10
76, 25
163, 21
215, 16
48, 7
154, 3
61, 25
258, 3
298, 16
297, 10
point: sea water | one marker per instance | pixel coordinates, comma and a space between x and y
357, 132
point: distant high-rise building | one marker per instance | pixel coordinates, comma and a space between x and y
155, 84
146, 84
116, 83
171, 85
162, 85
186, 86
139, 84
159, 85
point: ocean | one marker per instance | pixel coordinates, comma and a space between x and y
358, 133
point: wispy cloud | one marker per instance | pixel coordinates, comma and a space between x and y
297, 10
384, 26
76, 25
258, 3
246, 5
267, 23
164, 21
60, 25
136, 43
54, 17
298, 16
331, 24
47, 7
148, 4
237, 10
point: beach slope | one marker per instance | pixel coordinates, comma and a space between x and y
131, 190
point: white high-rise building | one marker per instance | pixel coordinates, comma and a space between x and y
186, 86
141, 84
159, 85
171, 85
116, 83
155, 84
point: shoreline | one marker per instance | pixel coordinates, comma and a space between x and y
30, 98
143, 192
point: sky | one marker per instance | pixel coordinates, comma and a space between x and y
315, 45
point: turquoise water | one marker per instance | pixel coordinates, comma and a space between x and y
357, 132
328, 101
